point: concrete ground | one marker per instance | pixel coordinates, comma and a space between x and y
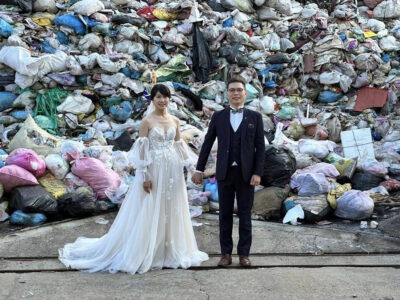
289, 262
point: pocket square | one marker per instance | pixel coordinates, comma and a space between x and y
250, 125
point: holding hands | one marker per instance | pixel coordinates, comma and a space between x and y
197, 178
147, 186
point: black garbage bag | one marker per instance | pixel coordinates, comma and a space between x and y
195, 101
365, 181
80, 204
202, 59
123, 19
33, 199
25, 5
235, 54
279, 166
216, 6
122, 143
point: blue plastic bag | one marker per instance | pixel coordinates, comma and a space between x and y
211, 185
121, 112
329, 96
227, 23
126, 71
72, 22
6, 100
62, 37
46, 48
18, 217
21, 114
5, 29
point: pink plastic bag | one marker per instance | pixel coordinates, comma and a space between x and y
28, 160
97, 175
13, 176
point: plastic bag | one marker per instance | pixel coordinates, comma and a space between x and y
80, 203
33, 199
211, 186
203, 61
242, 5
316, 207
373, 167
268, 202
76, 104
5, 28
354, 205
122, 111
329, 96
72, 150
96, 174
293, 214
365, 181
319, 149
58, 166
327, 169
309, 184
27, 159
280, 164
18, 217
87, 7
53, 185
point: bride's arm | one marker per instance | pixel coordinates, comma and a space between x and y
139, 154
188, 157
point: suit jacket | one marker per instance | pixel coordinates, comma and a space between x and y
252, 144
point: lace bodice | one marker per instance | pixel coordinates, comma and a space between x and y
159, 139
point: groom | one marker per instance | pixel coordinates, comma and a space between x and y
240, 163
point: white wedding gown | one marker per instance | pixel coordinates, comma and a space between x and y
152, 230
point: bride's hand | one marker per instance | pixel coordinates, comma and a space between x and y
147, 186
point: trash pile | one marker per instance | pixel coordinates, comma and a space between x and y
76, 76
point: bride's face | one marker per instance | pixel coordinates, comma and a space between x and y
160, 101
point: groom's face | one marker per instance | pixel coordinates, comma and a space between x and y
236, 94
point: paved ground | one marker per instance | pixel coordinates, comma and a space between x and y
290, 262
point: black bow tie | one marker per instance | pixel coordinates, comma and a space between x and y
236, 111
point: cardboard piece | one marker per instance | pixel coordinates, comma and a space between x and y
358, 143
369, 97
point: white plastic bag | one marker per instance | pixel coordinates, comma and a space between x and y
76, 104
267, 105
293, 214
87, 7
319, 149
354, 205
373, 167
72, 150
90, 41
58, 166
309, 184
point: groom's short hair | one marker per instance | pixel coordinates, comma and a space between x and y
236, 79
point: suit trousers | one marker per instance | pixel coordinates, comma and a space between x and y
227, 189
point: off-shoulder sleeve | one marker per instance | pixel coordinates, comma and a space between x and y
139, 157
188, 157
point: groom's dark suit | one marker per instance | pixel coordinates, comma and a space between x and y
240, 155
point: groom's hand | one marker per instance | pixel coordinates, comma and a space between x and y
197, 178
255, 180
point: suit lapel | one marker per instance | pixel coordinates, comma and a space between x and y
244, 126
227, 120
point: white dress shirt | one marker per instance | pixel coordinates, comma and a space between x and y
236, 119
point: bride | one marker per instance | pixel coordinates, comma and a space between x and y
152, 229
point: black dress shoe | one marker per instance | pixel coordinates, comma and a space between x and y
244, 261
226, 260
